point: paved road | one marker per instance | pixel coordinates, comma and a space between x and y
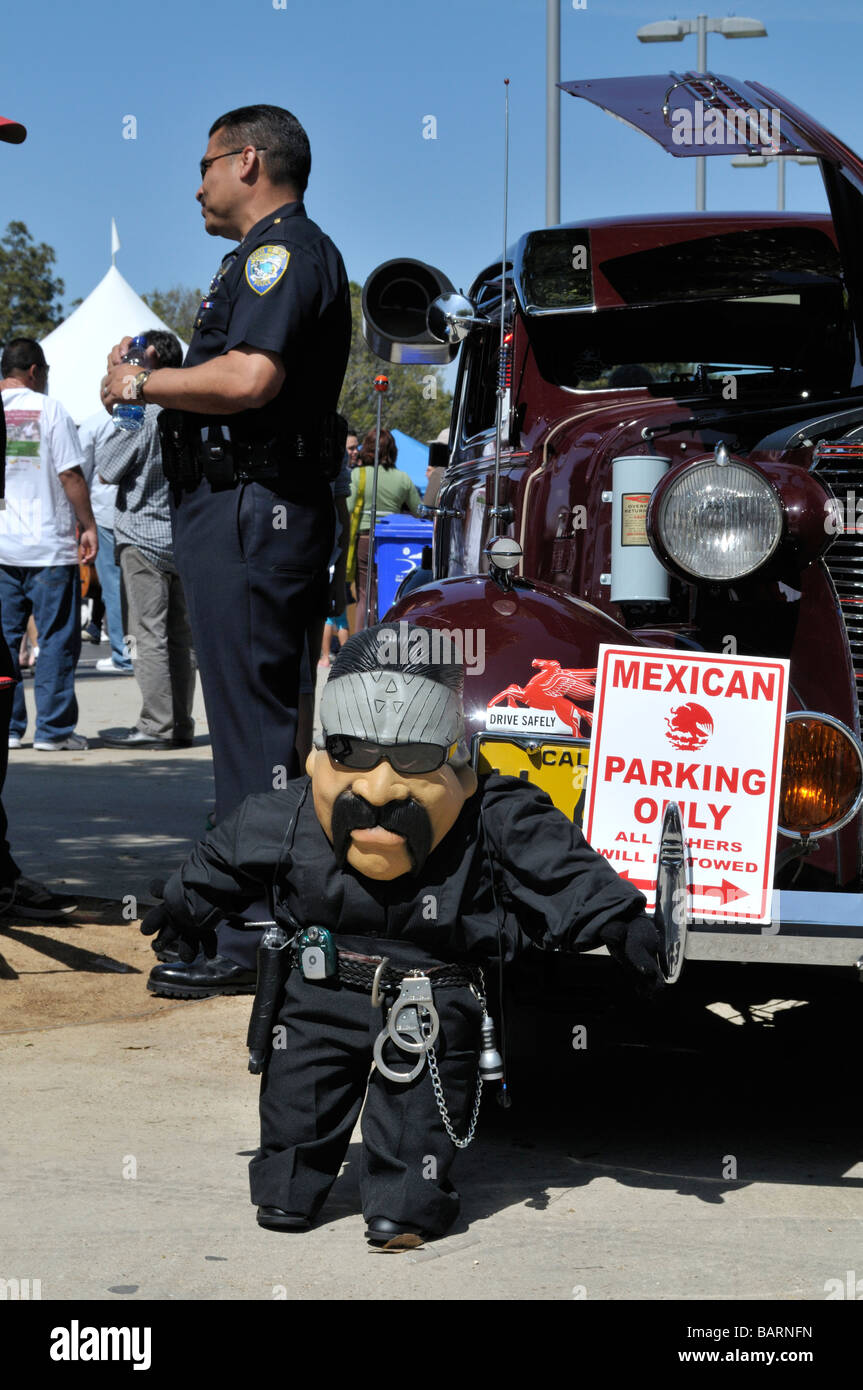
105, 821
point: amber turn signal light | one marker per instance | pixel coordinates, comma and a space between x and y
822, 776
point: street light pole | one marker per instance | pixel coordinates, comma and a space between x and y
552, 113
674, 31
701, 162
760, 161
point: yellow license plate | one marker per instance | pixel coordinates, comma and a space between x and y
558, 766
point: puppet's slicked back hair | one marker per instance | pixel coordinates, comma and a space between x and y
404, 647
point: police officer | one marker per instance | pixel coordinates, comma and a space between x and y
248, 435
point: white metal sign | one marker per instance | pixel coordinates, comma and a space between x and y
707, 732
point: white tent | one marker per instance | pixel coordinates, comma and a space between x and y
76, 351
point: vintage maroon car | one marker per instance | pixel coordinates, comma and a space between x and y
663, 424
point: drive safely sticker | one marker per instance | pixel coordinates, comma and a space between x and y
549, 703
707, 732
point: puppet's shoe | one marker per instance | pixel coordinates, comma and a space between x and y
274, 1219
380, 1231
202, 979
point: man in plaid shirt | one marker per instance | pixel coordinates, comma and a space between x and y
157, 624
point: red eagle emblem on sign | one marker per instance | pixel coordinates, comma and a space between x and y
554, 688
689, 727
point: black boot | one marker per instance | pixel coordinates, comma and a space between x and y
202, 979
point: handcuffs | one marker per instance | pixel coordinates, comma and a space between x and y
412, 1024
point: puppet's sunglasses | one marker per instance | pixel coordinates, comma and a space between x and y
361, 754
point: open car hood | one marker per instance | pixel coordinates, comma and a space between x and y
692, 113
668, 105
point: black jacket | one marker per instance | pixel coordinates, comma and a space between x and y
551, 888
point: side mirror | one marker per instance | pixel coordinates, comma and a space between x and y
396, 299
451, 317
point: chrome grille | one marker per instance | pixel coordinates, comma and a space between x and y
841, 467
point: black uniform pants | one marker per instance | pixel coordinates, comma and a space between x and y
253, 560
312, 1092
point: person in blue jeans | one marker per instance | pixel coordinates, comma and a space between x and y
39, 554
103, 497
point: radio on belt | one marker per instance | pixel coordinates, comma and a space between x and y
317, 953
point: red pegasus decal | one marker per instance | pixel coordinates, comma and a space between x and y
557, 689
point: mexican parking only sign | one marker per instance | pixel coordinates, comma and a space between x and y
705, 731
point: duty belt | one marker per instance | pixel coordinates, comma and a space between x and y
359, 972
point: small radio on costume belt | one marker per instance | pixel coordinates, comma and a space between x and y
316, 952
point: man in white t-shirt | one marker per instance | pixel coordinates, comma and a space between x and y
39, 555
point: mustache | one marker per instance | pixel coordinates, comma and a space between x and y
407, 818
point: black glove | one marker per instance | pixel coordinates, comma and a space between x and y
635, 946
175, 930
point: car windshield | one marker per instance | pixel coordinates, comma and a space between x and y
758, 304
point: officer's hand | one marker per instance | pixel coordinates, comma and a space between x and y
174, 930
635, 946
117, 385
118, 352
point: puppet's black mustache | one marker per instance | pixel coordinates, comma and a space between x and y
407, 818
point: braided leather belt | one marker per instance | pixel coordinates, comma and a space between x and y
358, 972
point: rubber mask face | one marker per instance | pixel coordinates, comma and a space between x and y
382, 822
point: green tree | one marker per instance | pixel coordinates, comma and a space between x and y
417, 401
29, 294
177, 307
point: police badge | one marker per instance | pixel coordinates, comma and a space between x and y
266, 266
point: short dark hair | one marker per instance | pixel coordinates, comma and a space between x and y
388, 453
166, 347
288, 157
20, 354
406, 646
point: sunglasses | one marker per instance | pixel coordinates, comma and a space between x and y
361, 754
205, 163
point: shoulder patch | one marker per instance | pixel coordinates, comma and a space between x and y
266, 266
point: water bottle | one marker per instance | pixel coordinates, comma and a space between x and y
129, 416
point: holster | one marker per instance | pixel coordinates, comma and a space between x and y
331, 446
194, 447
179, 462
274, 966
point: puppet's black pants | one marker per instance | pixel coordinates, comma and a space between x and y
312, 1092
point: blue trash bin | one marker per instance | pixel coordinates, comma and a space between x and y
399, 542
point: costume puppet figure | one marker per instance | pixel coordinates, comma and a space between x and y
387, 847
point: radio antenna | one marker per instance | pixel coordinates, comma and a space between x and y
503, 364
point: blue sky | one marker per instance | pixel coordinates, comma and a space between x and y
361, 77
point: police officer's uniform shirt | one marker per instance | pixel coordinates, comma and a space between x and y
283, 290
551, 887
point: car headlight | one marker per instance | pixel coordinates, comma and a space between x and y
822, 776
719, 521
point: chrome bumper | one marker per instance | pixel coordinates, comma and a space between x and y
807, 929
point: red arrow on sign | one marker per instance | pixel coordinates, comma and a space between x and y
637, 882
727, 893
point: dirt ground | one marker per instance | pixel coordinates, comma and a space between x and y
91, 968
